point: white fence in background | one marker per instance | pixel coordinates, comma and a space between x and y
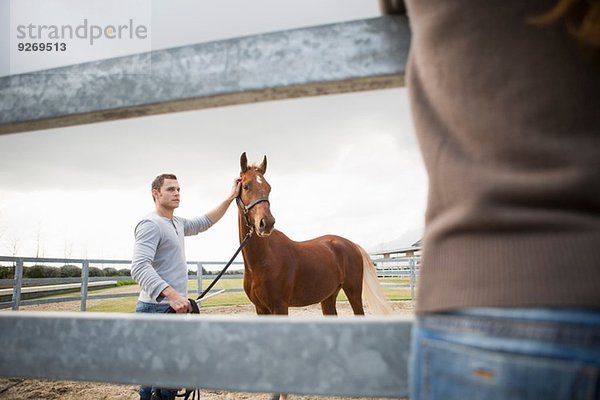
400, 267
18, 281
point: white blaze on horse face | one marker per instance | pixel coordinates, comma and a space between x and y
258, 179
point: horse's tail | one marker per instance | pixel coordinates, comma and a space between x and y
372, 291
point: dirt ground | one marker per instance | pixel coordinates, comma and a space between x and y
18, 389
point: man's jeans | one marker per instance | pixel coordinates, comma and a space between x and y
493, 353
145, 391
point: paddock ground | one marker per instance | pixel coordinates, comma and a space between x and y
16, 389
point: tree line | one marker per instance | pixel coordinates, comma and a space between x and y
66, 271
74, 271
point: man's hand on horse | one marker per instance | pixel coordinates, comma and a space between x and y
235, 189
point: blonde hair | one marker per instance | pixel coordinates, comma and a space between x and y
582, 18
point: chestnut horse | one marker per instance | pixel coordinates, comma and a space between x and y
280, 273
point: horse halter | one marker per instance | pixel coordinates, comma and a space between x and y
246, 209
249, 207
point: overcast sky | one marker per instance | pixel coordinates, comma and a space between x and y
342, 164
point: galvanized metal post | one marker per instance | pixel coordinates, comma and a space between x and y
16, 298
199, 280
85, 272
412, 278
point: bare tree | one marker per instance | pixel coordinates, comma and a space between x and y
12, 244
2, 227
68, 245
39, 251
68, 249
84, 250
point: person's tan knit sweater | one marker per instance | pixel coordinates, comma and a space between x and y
508, 119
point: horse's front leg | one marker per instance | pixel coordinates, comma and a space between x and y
280, 309
262, 310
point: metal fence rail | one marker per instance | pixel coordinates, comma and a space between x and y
343, 57
325, 356
62, 281
84, 279
406, 266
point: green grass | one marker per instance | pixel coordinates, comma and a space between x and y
396, 294
404, 281
122, 305
127, 282
227, 299
127, 304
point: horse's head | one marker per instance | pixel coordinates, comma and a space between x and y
254, 197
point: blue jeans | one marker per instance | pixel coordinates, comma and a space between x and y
493, 353
146, 391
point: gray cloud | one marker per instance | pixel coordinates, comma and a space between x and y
295, 134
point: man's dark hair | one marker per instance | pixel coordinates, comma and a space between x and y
159, 180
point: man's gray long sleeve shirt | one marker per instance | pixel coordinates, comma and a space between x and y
159, 254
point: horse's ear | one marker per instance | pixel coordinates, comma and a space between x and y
244, 162
263, 166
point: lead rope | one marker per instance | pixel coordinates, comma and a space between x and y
242, 245
195, 309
